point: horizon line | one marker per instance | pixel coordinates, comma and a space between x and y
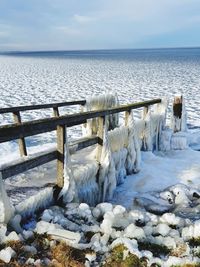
97, 49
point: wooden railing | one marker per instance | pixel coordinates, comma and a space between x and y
17, 117
20, 130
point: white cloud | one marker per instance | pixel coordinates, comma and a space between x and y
83, 19
67, 30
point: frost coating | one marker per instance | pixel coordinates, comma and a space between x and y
134, 154
107, 178
36, 202
68, 191
98, 102
6, 209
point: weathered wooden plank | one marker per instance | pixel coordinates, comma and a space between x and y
82, 143
61, 140
25, 164
38, 159
42, 106
11, 132
21, 141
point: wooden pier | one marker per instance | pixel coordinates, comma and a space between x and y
20, 130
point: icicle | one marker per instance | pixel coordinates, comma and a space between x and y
134, 153
107, 179
104, 101
6, 209
147, 135
68, 191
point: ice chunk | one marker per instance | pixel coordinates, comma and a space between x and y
30, 249
13, 236
27, 234
68, 236
104, 207
133, 231
96, 212
43, 227
162, 229
170, 219
7, 254
30, 261
106, 225
119, 210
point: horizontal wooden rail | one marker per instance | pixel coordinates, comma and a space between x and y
42, 106
14, 131
30, 162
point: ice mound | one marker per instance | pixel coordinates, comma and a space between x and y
179, 199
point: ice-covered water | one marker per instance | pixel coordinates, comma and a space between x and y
35, 78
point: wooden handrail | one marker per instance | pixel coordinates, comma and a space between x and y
40, 158
42, 106
16, 131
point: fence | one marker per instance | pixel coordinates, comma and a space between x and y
20, 130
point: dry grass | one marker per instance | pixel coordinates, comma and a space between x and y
60, 255
116, 259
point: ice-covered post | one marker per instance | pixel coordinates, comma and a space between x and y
61, 139
145, 112
127, 114
6, 209
100, 132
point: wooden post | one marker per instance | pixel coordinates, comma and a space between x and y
177, 112
145, 111
21, 141
127, 114
61, 139
177, 107
100, 133
56, 112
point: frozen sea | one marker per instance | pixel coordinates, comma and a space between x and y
135, 75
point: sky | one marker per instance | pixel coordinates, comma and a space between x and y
27, 25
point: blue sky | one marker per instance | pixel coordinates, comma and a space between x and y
98, 24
